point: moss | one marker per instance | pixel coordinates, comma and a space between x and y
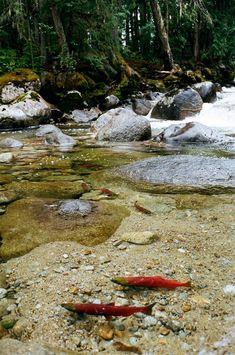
156, 85
33, 95
171, 78
19, 76
29, 223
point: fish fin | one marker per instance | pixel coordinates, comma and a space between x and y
120, 281
149, 308
108, 317
111, 304
188, 284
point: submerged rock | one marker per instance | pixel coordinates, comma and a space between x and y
191, 132
54, 136
6, 157
184, 170
122, 125
28, 223
73, 207
46, 189
10, 143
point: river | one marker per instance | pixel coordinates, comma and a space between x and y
51, 259
219, 115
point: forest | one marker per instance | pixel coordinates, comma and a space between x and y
80, 34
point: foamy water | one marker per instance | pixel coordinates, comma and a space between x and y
219, 115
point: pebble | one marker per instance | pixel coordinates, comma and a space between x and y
143, 238
122, 302
59, 270
6, 157
3, 292
88, 268
229, 289
149, 322
186, 307
164, 331
122, 247
133, 340
20, 326
106, 332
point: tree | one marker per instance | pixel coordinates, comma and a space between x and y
161, 30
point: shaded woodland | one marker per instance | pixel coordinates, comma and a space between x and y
99, 37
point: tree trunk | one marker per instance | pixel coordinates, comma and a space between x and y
160, 28
59, 30
196, 47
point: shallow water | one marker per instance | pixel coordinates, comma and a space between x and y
91, 162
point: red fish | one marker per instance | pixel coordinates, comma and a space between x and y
141, 209
107, 310
105, 191
150, 281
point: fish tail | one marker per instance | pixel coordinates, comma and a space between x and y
149, 308
188, 284
120, 281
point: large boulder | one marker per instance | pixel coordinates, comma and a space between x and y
182, 170
207, 90
191, 132
14, 84
122, 125
178, 106
27, 110
54, 136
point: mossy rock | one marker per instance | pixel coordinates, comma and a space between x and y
156, 85
29, 223
49, 189
18, 77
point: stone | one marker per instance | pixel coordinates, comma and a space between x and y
10, 143
46, 189
106, 332
145, 237
111, 101
121, 125
6, 157
207, 90
229, 289
141, 106
27, 110
177, 170
76, 206
54, 136
191, 132
20, 326
177, 106
85, 116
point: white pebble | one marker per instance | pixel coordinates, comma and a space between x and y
229, 289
